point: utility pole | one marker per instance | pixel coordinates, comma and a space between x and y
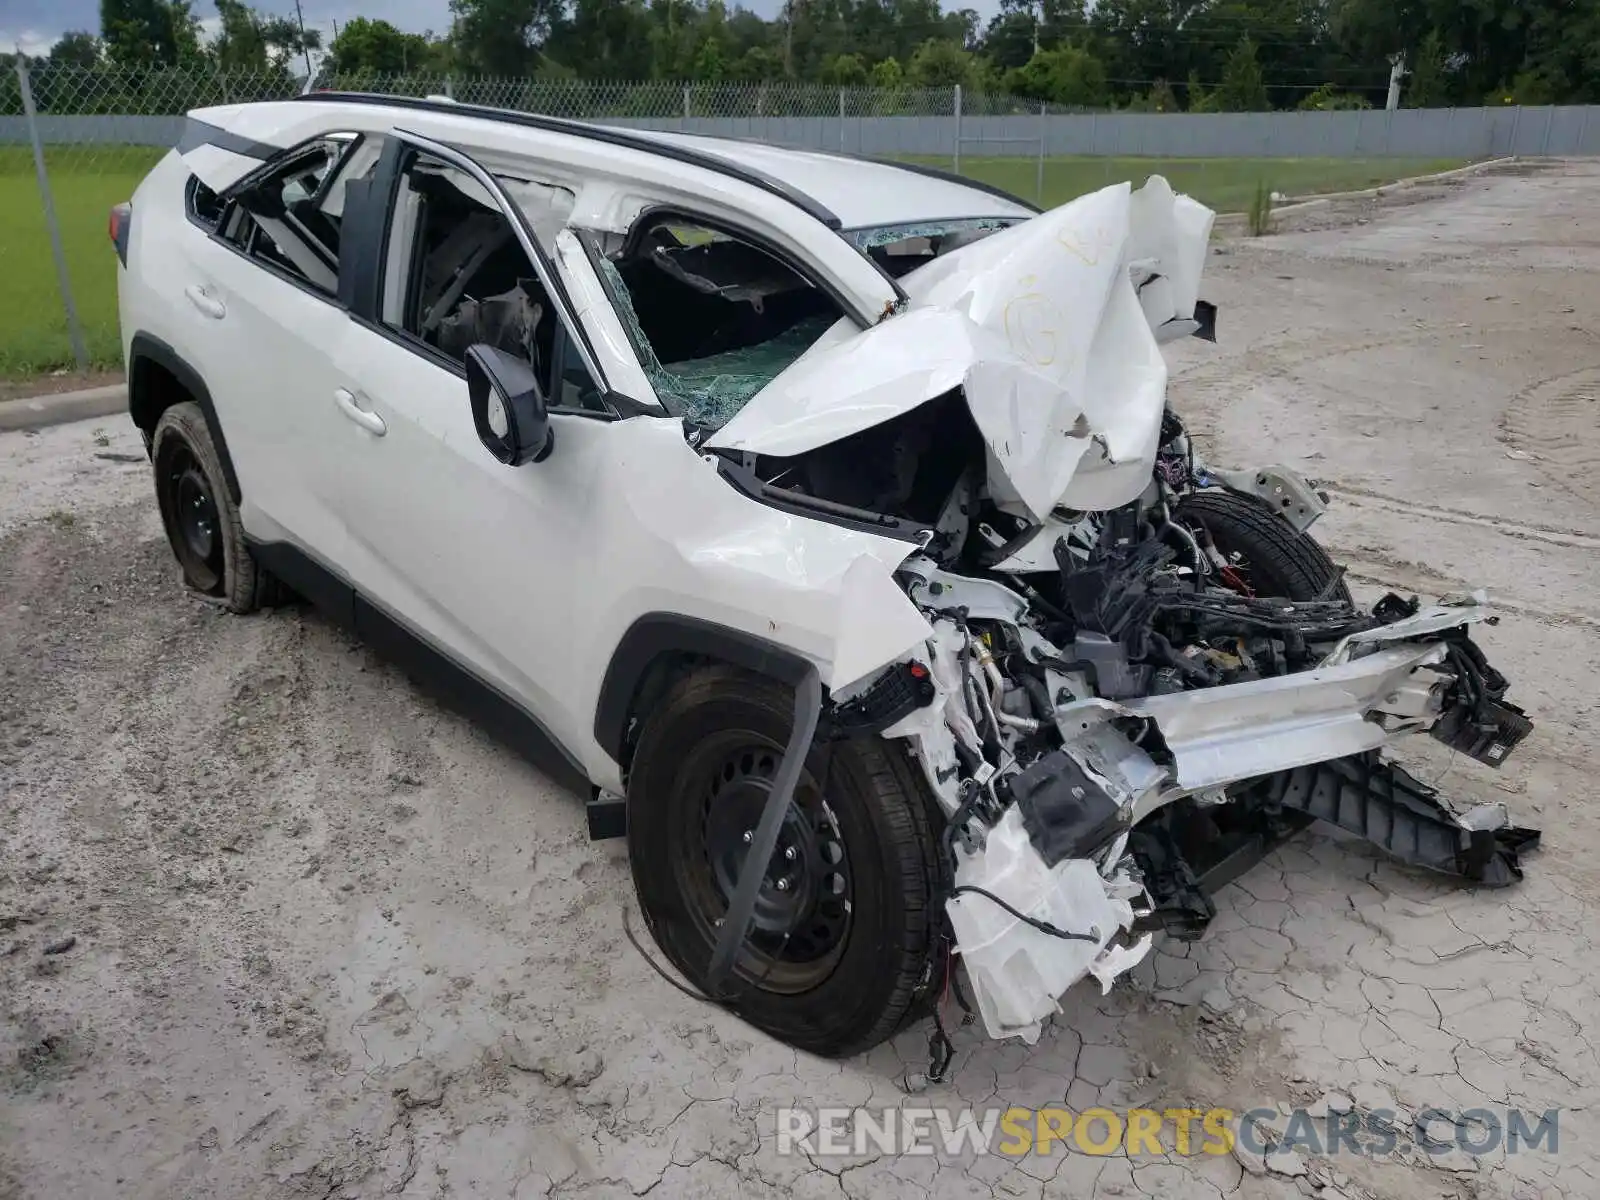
305, 48
1397, 71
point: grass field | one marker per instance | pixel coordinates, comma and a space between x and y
1226, 184
87, 181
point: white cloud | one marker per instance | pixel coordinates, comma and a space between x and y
30, 41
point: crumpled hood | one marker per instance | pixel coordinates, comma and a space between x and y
1045, 328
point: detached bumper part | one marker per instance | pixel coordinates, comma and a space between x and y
1403, 816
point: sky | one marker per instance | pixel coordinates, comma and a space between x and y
36, 24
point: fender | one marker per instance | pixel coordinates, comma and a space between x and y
146, 403
656, 635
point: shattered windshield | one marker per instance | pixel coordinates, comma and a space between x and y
899, 249
714, 319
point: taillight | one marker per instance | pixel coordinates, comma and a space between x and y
120, 223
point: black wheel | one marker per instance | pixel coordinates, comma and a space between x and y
845, 923
1268, 556
201, 518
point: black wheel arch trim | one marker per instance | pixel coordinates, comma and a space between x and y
146, 348
656, 634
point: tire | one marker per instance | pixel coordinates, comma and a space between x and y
1274, 558
199, 514
839, 961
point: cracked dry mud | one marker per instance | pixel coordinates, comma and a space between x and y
333, 942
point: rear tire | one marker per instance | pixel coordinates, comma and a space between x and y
839, 956
199, 513
1274, 558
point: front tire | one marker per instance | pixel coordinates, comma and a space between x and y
846, 923
200, 516
1271, 556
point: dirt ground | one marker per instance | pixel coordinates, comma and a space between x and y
328, 940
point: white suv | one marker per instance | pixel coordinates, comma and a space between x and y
821, 520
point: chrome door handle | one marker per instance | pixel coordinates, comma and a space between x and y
203, 300
370, 421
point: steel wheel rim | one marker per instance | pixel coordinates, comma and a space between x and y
194, 520
800, 929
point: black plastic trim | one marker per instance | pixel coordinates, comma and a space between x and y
449, 681
197, 133
624, 138
744, 479
146, 348
306, 577
656, 634
124, 233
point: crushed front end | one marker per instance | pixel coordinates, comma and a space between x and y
1115, 740
1140, 673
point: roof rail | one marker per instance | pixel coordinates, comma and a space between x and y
625, 138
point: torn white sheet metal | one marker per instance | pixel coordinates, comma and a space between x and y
1449, 613
1223, 734
1041, 326
1017, 972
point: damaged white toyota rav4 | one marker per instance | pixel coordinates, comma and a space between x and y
822, 520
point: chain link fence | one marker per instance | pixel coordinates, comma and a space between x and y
76, 141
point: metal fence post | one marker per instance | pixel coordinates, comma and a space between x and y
841, 120
956, 158
74, 330
686, 106
1044, 129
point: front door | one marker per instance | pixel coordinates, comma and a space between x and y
494, 566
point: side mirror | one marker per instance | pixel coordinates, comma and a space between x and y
508, 407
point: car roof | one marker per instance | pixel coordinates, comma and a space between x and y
843, 192
856, 192
864, 193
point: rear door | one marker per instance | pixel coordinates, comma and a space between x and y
263, 293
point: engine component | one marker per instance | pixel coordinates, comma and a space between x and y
1066, 813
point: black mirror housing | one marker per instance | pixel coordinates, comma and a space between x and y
508, 406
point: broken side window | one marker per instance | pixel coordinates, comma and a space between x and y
280, 219
456, 276
714, 318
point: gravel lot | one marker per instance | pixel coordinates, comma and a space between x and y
330, 941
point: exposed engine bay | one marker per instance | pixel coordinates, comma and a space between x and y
1119, 713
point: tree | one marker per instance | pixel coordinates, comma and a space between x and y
1328, 98
369, 45
887, 74
247, 41
150, 33
78, 49
1242, 88
502, 37
939, 64
1065, 75
845, 70
1429, 84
